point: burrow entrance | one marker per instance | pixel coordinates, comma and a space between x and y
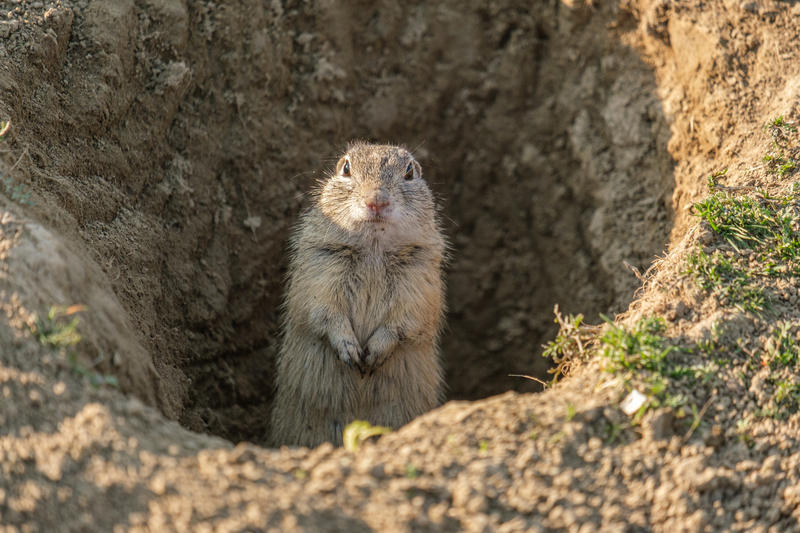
187, 132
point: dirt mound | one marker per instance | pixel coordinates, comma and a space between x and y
159, 152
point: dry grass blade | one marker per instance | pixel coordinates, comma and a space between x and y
544, 384
697, 419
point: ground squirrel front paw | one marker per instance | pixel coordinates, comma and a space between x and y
379, 346
350, 353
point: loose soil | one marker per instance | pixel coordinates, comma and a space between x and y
159, 151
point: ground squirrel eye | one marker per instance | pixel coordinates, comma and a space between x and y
409, 172
346, 168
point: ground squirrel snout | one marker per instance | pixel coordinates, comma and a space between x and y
364, 302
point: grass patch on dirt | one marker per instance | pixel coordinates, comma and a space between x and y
780, 164
765, 223
659, 365
762, 234
639, 348
787, 396
782, 349
757, 241
749, 268
781, 356
644, 356
756, 250
783, 158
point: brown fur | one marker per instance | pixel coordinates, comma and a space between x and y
364, 303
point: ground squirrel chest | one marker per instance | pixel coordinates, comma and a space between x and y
364, 301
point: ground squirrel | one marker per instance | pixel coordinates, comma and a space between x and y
364, 303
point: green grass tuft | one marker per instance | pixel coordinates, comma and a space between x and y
641, 348
780, 164
782, 349
780, 122
59, 330
742, 221
787, 398
767, 227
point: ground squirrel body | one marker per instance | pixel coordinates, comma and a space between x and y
364, 302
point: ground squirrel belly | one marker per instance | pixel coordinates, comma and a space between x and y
364, 303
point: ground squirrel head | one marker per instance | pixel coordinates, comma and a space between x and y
378, 190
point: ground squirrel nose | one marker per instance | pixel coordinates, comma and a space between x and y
376, 205
377, 201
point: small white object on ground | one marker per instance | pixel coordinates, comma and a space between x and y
633, 402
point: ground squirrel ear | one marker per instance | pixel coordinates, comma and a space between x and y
417, 167
409, 172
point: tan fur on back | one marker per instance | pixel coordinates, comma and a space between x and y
359, 287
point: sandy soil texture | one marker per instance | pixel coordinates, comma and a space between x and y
159, 151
